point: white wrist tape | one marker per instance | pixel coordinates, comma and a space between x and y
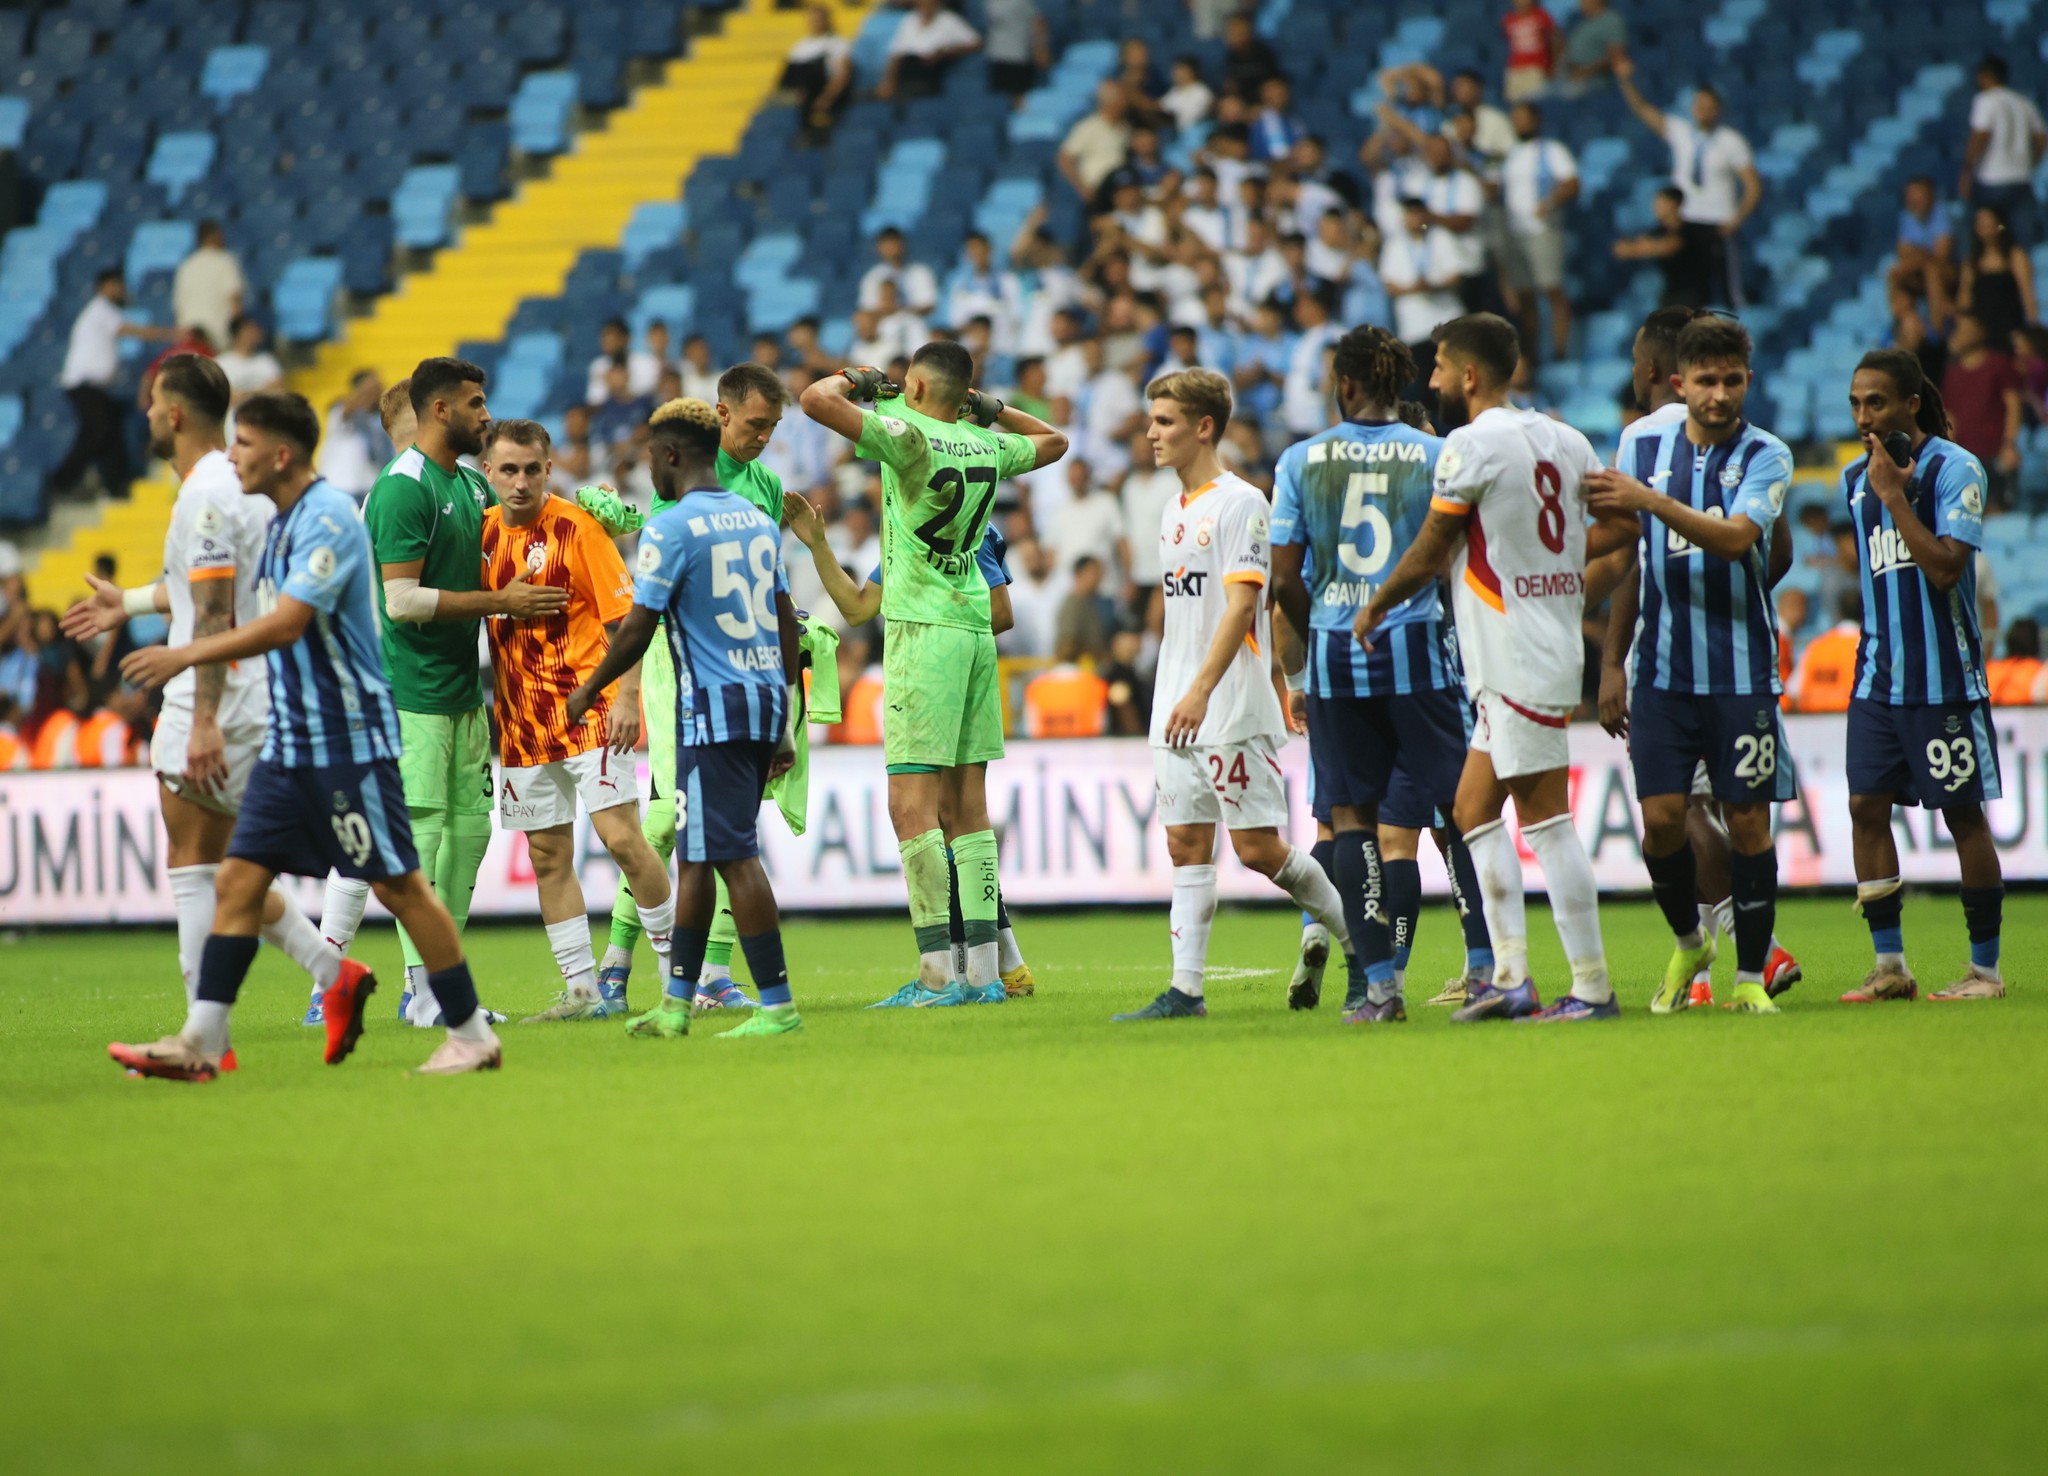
405, 600
1297, 681
139, 601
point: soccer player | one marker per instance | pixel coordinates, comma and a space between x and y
861, 605
425, 515
1919, 719
1708, 490
711, 576
1386, 726
939, 476
214, 714
751, 399
546, 763
1509, 503
1216, 721
325, 791
1654, 373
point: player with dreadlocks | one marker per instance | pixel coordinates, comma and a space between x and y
1387, 725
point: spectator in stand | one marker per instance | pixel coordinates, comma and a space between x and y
1670, 247
2018, 678
1304, 394
1091, 523
353, 447
1097, 145
1262, 358
248, 363
1188, 102
1712, 164
1019, 49
1539, 181
1532, 51
1982, 392
923, 50
2030, 357
700, 374
1805, 591
978, 288
617, 420
1453, 201
2006, 142
1147, 488
899, 329
1331, 254
1275, 129
1925, 265
615, 351
572, 449
207, 288
916, 287
190, 339
1248, 62
1824, 678
1597, 39
1037, 589
1082, 628
92, 362
13, 594
1493, 132
1140, 84
819, 72
1419, 269
654, 357
1997, 284
1209, 17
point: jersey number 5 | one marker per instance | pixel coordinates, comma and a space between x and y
1358, 513
938, 533
756, 608
1550, 507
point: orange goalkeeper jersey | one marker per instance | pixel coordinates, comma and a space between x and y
536, 664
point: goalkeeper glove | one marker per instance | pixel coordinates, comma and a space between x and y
982, 409
870, 384
610, 510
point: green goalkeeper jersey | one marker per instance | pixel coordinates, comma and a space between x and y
418, 511
938, 486
748, 479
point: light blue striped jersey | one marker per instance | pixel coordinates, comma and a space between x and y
711, 566
329, 700
1356, 496
1921, 646
1707, 625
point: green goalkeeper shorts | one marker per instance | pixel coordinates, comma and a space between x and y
446, 761
941, 696
658, 709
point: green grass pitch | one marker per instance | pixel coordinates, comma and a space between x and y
1022, 1238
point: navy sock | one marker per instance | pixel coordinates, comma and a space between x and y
1881, 915
956, 926
1983, 912
1403, 884
686, 960
1753, 885
765, 963
1324, 854
1465, 892
456, 993
1360, 887
223, 964
1674, 879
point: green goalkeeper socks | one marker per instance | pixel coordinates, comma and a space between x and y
924, 874
659, 826
975, 856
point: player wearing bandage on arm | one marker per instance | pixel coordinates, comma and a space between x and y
943, 447
1217, 725
1509, 515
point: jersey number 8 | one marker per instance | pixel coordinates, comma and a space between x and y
1550, 508
757, 611
1358, 513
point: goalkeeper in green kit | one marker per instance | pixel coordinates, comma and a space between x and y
943, 447
751, 399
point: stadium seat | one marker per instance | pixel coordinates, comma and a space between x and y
232, 71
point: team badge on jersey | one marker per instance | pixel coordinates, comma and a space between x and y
1731, 477
536, 557
1204, 532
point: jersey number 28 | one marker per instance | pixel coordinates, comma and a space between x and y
756, 606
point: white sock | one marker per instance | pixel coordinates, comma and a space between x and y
192, 896
424, 1005
960, 962
1724, 917
1314, 893
1193, 911
1008, 955
981, 966
296, 937
616, 957
1574, 904
206, 1024
341, 910
1710, 919
570, 941
711, 976
477, 1028
1500, 895
659, 924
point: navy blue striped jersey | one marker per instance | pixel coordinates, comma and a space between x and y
1921, 646
330, 702
712, 566
1707, 625
1356, 496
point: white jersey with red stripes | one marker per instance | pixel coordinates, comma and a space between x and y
1210, 539
1518, 479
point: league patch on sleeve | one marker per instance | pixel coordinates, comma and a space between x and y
649, 557
320, 563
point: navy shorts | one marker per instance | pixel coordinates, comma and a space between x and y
718, 798
349, 818
1740, 739
1403, 754
1938, 756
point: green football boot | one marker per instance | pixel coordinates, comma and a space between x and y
1674, 991
669, 1020
768, 1020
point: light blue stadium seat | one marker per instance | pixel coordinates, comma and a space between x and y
672, 303
540, 111
233, 71
11, 413
423, 204
157, 246
179, 161
304, 298
14, 113
655, 224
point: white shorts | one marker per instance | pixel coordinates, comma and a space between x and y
1237, 784
1520, 737
167, 755
544, 795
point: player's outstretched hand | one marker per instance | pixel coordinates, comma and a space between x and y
152, 666
578, 704
525, 600
870, 384
1185, 721
1614, 702
982, 409
1609, 492
96, 614
803, 519
622, 727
